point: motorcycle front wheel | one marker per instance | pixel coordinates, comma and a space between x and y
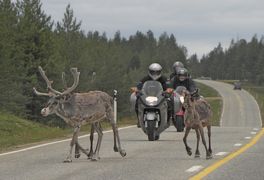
151, 130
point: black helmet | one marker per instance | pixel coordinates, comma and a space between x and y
182, 74
155, 71
176, 66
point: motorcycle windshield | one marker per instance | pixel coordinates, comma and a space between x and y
152, 88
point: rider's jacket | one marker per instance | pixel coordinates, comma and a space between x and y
172, 75
188, 83
162, 80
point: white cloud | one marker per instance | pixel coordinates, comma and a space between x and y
197, 24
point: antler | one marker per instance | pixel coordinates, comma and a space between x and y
40, 93
42, 72
76, 75
64, 81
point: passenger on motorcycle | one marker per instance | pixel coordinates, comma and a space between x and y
175, 67
154, 73
183, 79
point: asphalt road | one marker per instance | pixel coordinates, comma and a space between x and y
163, 159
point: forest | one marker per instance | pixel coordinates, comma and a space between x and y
30, 38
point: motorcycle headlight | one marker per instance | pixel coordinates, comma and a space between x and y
151, 100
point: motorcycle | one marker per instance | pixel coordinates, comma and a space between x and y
178, 99
152, 109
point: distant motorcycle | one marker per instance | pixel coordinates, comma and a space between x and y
178, 120
152, 109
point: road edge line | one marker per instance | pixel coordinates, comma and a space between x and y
221, 162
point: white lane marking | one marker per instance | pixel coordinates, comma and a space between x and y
56, 142
253, 132
248, 137
238, 144
255, 129
194, 169
221, 153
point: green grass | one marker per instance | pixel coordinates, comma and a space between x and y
207, 91
216, 106
15, 131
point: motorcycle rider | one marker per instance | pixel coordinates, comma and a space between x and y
175, 67
183, 79
154, 73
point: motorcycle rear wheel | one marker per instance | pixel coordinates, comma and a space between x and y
178, 123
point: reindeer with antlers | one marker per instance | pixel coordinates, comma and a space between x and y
197, 116
78, 109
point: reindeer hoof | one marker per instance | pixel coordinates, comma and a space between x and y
197, 155
77, 155
115, 149
95, 158
123, 153
67, 161
209, 156
189, 151
89, 156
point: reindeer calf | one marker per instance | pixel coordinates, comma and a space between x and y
197, 115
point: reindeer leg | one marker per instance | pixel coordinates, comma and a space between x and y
116, 137
197, 152
77, 150
78, 147
97, 128
208, 155
117, 148
90, 154
74, 138
188, 149
114, 134
209, 138
81, 148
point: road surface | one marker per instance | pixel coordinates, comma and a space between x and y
162, 159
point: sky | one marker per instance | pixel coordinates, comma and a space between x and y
199, 25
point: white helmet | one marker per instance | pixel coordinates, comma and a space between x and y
155, 71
